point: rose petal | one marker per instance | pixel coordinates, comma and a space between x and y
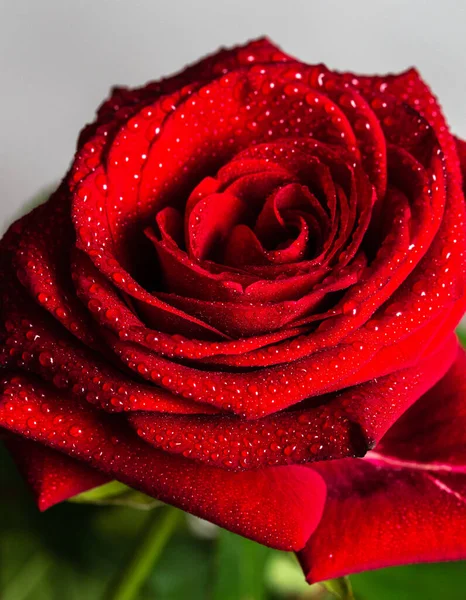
111, 312
406, 501
344, 424
53, 477
37, 344
401, 273
38, 247
232, 500
278, 388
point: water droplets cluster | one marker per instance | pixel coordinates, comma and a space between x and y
371, 181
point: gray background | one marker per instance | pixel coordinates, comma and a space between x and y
58, 59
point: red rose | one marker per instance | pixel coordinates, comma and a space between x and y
251, 272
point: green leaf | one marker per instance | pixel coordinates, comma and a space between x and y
116, 494
461, 331
340, 588
414, 582
239, 569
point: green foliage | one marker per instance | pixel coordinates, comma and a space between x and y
340, 588
462, 334
116, 494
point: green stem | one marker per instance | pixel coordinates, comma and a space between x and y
157, 531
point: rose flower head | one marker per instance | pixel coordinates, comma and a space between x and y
241, 300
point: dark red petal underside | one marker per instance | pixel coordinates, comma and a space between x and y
53, 476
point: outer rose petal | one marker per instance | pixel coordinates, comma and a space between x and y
55, 356
410, 87
256, 51
53, 477
343, 425
404, 503
266, 505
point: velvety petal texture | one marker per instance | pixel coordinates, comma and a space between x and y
237, 301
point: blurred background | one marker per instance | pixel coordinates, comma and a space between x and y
58, 59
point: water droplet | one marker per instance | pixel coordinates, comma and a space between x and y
75, 431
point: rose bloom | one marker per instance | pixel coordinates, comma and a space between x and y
241, 300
